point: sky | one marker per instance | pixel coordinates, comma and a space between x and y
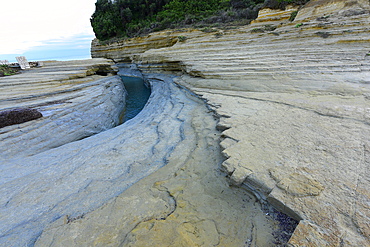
46, 29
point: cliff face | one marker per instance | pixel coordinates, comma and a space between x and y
324, 8
294, 104
123, 51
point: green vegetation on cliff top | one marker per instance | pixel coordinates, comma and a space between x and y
6, 70
130, 18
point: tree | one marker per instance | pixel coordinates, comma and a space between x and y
105, 20
128, 18
281, 4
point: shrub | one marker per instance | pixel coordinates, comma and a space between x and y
128, 18
298, 25
5, 70
105, 20
266, 28
182, 38
218, 35
281, 4
293, 15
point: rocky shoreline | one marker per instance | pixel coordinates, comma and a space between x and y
187, 202
160, 168
74, 99
286, 120
294, 104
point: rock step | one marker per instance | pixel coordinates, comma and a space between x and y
254, 52
67, 118
42, 97
239, 74
229, 43
261, 55
274, 65
42, 89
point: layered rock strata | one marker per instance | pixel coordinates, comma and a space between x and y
294, 102
185, 203
76, 101
84, 194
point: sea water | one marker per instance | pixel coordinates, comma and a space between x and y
137, 95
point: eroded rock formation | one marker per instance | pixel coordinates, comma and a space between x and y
185, 203
294, 104
75, 101
158, 172
293, 101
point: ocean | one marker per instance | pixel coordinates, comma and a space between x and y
77, 48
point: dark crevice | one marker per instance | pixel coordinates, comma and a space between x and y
102, 73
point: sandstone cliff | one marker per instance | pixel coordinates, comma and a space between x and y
293, 98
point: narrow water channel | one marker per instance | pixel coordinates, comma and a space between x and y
137, 95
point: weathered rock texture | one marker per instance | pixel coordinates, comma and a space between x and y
74, 100
338, 8
76, 194
294, 107
185, 203
122, 50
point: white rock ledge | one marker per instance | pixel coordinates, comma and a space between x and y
44, 195
72, 108
78, 177
154, 179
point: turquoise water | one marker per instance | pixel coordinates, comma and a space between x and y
137, 96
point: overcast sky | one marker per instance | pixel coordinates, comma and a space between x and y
29, 26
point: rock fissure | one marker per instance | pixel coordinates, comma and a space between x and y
158, 218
